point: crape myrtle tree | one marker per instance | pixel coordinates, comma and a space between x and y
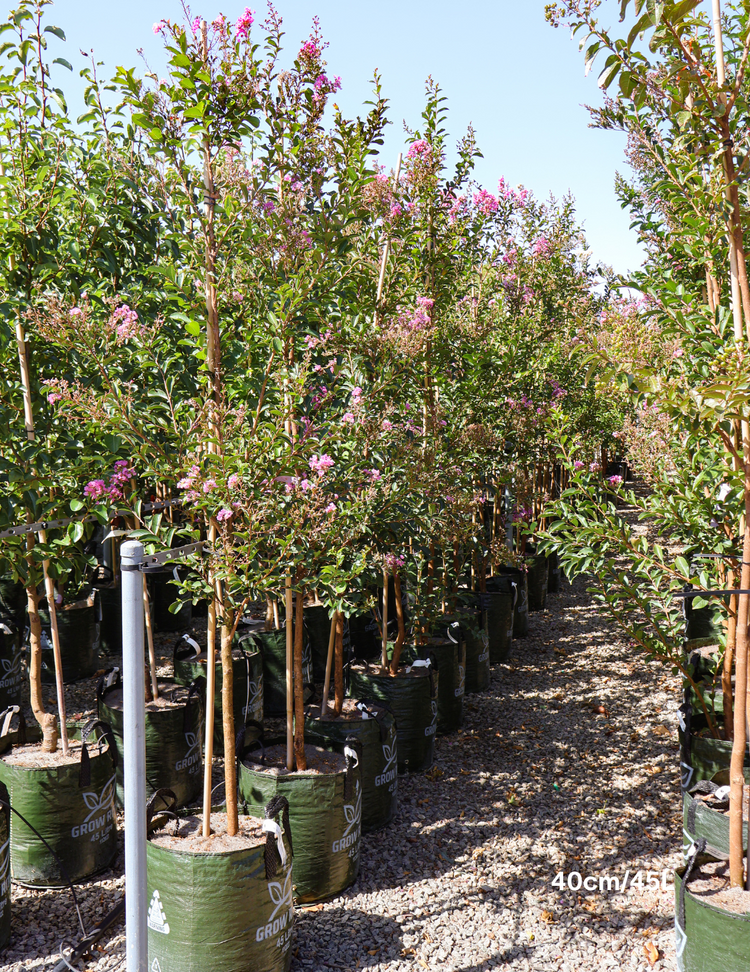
679, 90
71, 218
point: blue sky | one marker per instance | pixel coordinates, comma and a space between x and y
503, 68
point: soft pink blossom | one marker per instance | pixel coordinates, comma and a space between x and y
209, 485
331, 508
244, 23
348, 418
223, 515
320, 464
95, 489
233, 481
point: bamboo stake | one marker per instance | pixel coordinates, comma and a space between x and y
384, 649
401, 637
289, 676
210, 708
150, 637
338, 678
329, 666
300, 757
49, 588
276, 621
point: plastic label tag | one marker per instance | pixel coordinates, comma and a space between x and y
271, 827
681, 719
421, 663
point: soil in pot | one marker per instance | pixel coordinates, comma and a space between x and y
325, 814
521, 610
712, 927
374, 727
412, 697
174, 736
220, 903
70, 800
78, 627
248, 683
272, 647
448, 657
12, 674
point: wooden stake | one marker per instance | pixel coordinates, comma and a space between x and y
384, 652
329, 666
150, 638
49, 587
338, 678
210, 703
299, 699
289, 675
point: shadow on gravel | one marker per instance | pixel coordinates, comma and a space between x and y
344, 939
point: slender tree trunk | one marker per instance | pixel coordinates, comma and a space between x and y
401, 637
338, 677
299, 689
46, 720
736, 775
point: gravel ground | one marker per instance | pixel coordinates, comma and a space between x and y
568, 763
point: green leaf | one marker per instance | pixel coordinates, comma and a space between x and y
57, 31
61, 60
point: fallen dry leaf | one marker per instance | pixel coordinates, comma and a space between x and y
548, 918
651, 952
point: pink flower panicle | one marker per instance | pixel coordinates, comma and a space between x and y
485, 202
393, 562
223, 515
319, 464
160, 26
244, 23
373, 475
233, 481
419, 149
348, 418
595, 467
331, 508
578, 464
615, 480
124, 322
196, 25
95, 489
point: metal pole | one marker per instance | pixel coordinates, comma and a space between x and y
134, 718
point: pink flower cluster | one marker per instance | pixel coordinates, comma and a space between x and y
542, 247
97, 489
615, 480
243, 25
485, 202
160, 26
124, 322
517, 196
522, 515
419, 320
577, 465
373, 475
320, 464
393, 562
223, 515
310, 50
421, 149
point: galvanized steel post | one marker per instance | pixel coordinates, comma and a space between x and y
134, 745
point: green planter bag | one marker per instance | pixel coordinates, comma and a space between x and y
553, 573
707, 938
477, 641
538, 577
12, 676
448, 657
78, 627
412, 697
163, 596
702, 756
110, 622
521, 610
272, 647
374, 728
701, 820
13, 602
4, 866
174, 737
498, 608
222, 911
325, 813
247, 685
71, 805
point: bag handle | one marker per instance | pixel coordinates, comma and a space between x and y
275, 852
353, 755
169, 799
185, 647
7, 718
84, 774
110, 679
376, 711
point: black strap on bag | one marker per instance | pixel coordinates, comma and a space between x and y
196, 692
84, 774
243, 748
690, 871
5, 805
279, 805
7, 717
685, 714
703, 787
376, 711
352, 762
111, 679
169, 800
186, 647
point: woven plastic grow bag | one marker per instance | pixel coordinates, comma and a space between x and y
13, 602
477, 641
700, 821
247, 684
110, 621
412, 697
272, 647
73, 808
448, 657
4, 866
521, 611
325, 813
538, 577
225, 911
553, 573
707, 938
375, 730
78, 627
702, 756
498, 608
174, 738
12, 676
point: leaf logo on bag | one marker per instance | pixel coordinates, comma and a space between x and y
4, 862
156, 917
432, 728
461, 681
390, 752
353, 813
192, 758
96, 802
254, 690
12, 667
101, 807
281, 896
